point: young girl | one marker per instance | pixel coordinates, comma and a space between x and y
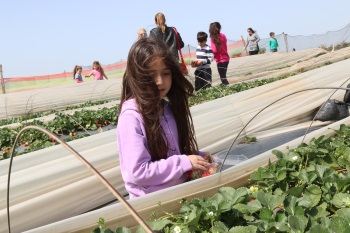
218, 43
77, 74
141, 33
97, 71
156, 139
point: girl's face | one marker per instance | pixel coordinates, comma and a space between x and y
79, 71
143, 34
161, 76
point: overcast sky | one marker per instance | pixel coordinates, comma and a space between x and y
40, 37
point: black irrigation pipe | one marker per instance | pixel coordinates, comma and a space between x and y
86, 163
293, 93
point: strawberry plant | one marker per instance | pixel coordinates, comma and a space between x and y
304, 190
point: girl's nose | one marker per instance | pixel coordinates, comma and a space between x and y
158, 79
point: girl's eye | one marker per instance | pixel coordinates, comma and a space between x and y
166, 73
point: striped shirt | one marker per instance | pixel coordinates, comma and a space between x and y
204, 54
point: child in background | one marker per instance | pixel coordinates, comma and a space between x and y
97, 71
273, 44
156, 138
141, 33
77, 74
204, 57
218, 43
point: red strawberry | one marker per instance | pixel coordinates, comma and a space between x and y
7, 151
100, 125
26, 144
74, 134
107, 122
211, 170
52, 140
189, 174
251, 200
96, 121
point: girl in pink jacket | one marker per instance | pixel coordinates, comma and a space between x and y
218, 43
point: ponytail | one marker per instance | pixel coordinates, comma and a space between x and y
160, 21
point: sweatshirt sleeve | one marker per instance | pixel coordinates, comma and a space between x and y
136, 158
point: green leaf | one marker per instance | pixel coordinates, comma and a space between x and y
270, 201
344, 213
296, 223
279, 154
121, 230
242, 208
291, 156
339, 224
246, 229
318, 212
296, 191
233, 195
341, 200
266, 215
194, 216
254, 206
216, 200
290, 204
320, 170
159, 224
281, 175
312, 196
319, 229
219, 227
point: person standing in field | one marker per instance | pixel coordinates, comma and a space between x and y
252, 42
141, 33
166, 34
204, 57
273, 44
77, 74
218, 43
155, 133
97, 71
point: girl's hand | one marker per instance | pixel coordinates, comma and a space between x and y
194, 63
207, 156
198, 162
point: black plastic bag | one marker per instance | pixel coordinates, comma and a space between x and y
333, 110
347, 95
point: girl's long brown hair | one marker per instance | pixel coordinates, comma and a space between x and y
214, 31
138, 84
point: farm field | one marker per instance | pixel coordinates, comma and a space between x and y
46, 175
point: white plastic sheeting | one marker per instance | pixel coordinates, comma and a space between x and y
21, 103
51, 185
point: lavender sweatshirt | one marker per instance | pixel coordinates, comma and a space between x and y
140, 174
